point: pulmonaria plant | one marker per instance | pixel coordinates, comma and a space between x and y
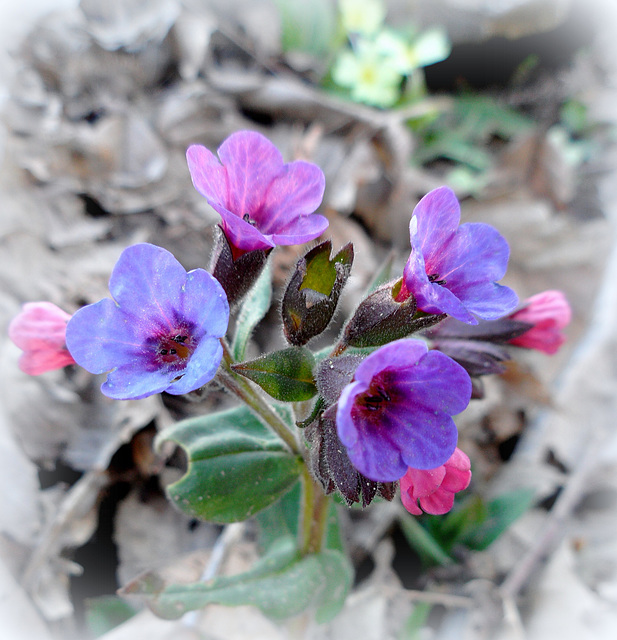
382, 402
39, 330
159, 333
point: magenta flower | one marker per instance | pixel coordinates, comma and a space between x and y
454, 269
396, 412
159, 333
39, 331
263, 201
547, 313
434, 489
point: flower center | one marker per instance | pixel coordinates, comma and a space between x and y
374, 398
434, 277
175, 349
247, 218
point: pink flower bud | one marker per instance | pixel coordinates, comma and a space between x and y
548, 313
434, 489
39, 330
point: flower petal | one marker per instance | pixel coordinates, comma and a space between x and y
252, 162
208, 175
424, 482
430, 296
39, 325
438, 503
301, 230
130, 383
204, 304
437, 383
425, 443
101, 336
347, 431
436, 219
147, 281
410, 503
476, 252
36, 362
400, 353
242, 234
297, 191
376, 456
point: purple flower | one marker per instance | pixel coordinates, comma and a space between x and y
454, 269
159, 333
263, 201
396, 412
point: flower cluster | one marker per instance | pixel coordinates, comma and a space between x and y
382, 416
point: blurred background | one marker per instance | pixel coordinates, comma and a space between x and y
512, 103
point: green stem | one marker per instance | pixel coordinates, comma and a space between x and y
241, 388
313, 515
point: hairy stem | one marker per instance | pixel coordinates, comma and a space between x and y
313, 515
243, 390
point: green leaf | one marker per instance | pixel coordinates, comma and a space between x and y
453, 145
574, 116
451, 528
254, 308
236, 466
482, 117
286, 375
105, 613
281, 520
308, 26
416, 621
501, 513
282, 584
425, 544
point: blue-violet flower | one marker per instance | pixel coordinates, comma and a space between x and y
159, 333
454, 269
263, 201
396, 412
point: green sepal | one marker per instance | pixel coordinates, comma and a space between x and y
286, 375
282, 584
236, 466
